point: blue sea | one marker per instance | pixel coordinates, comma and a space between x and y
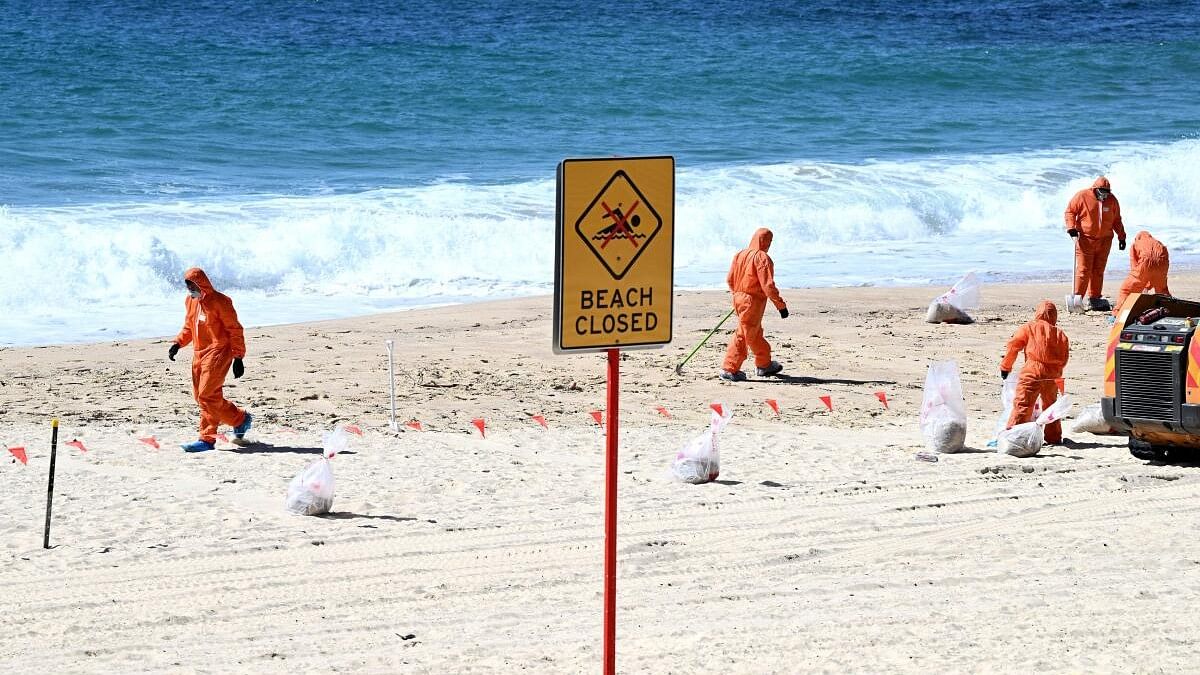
329, 158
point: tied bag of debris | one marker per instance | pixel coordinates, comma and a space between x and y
1090, 420
943, 410
953, 305
311, 491
1008, 395
700, 460
1025, 440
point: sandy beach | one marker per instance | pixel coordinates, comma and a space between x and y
823, 547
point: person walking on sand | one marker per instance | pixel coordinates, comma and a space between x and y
751, 278
1148, 265
211, 326
1047, 350
1092, 216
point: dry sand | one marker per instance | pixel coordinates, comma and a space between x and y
824, 546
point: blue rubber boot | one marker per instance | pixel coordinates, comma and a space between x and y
240, 430
197, 446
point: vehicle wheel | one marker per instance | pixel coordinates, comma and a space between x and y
1144, 450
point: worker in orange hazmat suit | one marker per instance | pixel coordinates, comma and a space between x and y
211, 326
751, 278
1046, 352
1148, 263
1092, 216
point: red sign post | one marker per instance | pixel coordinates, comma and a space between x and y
613, 290
610, 514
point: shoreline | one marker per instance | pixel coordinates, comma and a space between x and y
1112, 283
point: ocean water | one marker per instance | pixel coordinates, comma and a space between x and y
336, 157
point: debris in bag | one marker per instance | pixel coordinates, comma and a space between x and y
1090, 420
945, 434
1008, 394
943, 410
944, 312
700, 460
1025, 440
311, 491
952, 306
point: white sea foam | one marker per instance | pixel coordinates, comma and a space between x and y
106, 271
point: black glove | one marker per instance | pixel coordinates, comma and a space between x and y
783, 313
1073, 232
239, 368
1004, 374
1121, 244
173, 351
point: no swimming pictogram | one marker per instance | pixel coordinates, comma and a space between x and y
619, 224
614, 253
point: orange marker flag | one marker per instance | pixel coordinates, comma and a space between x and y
415, 425
664, 412
598, 416
354, 430
540, 420
882, 396
718, 408
1061, 384
480, 424
77, 444
223, 437
150, 441
19, 453
828, 401
774, 405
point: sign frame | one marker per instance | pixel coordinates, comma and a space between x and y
565, 226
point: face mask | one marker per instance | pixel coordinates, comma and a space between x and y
194, 294
1101, 195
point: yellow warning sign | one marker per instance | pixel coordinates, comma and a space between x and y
615, 250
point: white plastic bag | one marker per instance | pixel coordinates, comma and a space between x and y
1025, 440
1008, 392
1008, 395
1090, 420
943, 411
700, 460
953, 305
311, 492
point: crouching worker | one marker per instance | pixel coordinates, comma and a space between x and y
1148, 264
1046, 352
751, 278
211, 326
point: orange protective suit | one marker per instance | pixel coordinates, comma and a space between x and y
211, 325
752, 279
1096, 222
1046, 352
1148, 264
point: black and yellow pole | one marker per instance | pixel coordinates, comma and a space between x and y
50, 487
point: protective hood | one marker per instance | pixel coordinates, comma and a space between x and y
761, 241
1046, 311
198, 277
1102, 182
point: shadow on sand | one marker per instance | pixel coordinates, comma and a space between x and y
267, 447
347, 515
803, 379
